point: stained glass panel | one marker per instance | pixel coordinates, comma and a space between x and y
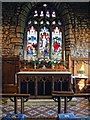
56, 44
59, 22
44, 40
53, 22
53, 14
41, 14
41, 22
47, 22
31, 43
47, 13
29, 22
35, 13
35, 22
44, 43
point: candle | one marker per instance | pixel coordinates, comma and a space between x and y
64, 57
24, 55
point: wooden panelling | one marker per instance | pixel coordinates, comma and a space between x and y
9, 88
41, 84
9, 67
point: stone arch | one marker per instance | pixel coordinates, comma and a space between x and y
22, 20
19, 19
68, 18
65, 12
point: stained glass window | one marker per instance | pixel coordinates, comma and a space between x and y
47, 13
53, 14
41, 14
35, 13
56, 43
44, 34
31, 43
44, 43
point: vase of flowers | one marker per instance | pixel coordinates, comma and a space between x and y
53, 62
25, 64
53, 66
34, 63
80, 73
35, 66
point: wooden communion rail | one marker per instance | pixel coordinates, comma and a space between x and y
66, 94
16, 96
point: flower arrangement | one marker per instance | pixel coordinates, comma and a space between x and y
54, 61
34, 62
81, 72
39, 62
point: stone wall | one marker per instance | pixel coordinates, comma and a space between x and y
75, 17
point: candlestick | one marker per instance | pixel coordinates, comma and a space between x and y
64, 57
24, 55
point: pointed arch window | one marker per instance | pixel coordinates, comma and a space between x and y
44, 43
31, 42
44, 34
56, 43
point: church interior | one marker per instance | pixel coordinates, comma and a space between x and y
45, 60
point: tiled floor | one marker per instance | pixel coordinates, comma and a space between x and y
46, 108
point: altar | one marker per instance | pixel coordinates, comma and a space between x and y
41, 83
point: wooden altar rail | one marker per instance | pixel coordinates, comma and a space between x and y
16, 96
66, 94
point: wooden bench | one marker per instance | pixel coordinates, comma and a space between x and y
16, 96
66, 94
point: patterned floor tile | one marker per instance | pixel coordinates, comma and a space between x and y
42, 108
47, 109
32, 112
50, 112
